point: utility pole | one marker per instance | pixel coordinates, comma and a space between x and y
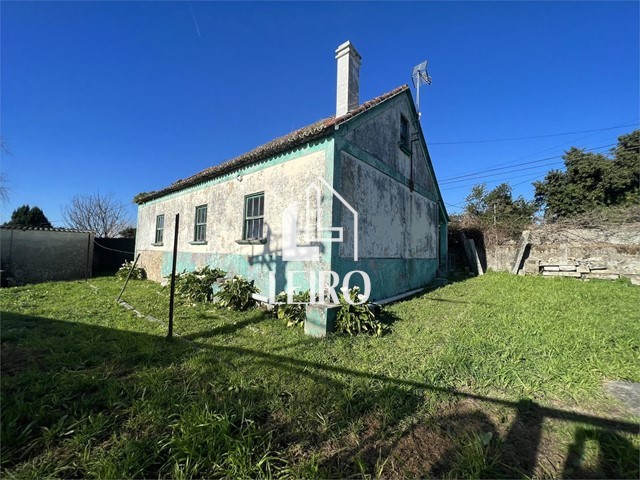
494, 214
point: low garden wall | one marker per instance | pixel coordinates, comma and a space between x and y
601, 252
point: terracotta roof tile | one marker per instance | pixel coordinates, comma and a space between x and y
296, 138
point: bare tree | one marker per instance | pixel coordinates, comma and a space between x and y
98, 213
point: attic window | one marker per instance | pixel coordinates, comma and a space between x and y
404, 132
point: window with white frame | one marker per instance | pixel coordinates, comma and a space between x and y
253, 217
159, 229
200, 231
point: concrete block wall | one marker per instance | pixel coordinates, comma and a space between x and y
34, 256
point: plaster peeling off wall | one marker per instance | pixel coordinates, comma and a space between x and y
282, 180
379, 136
392, 221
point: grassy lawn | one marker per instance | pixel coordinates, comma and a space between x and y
496, 376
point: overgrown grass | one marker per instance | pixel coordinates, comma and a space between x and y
475, 379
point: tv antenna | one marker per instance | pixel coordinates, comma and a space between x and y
420, 77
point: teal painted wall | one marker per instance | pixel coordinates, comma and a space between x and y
390, 276
253, 268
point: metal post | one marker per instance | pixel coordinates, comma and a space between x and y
127, 280
173, 275
86, 271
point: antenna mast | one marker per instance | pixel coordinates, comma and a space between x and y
420, 77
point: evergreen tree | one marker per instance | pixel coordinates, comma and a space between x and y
592, 181
26, 216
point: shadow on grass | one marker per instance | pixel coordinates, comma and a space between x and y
228, 328
464, 444
613, 451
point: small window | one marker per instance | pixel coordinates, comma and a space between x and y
159, 229
253, 216
404, 132
200, 233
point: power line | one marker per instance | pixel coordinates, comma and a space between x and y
528, 180
533, 136
479, 172
482, 175
630, 147
503, 179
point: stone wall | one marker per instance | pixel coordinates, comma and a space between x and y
607, 251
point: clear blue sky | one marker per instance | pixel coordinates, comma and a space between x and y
129, 97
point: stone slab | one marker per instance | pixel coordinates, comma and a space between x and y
562, 274
524, 243
604, 276
567, 268
626, 392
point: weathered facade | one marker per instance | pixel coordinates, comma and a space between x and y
372, 155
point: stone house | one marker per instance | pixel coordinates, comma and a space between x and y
363, 191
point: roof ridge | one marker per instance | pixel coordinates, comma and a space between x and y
306, 134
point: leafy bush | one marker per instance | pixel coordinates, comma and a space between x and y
292, 313
196, 286
138, 273
237, 293
355, 319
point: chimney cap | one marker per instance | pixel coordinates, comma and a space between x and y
348, 48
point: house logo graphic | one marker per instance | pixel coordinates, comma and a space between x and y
291, 251
322, 283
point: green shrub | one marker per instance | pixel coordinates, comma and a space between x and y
138, 273
294, 314
355, 319
236, 293
196, 286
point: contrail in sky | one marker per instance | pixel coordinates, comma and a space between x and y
195, 22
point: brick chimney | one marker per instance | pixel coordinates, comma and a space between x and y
348, 91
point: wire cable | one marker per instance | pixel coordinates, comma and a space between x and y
533, 136
478, 172
112, 249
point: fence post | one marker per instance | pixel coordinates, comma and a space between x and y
128, 277
173, 275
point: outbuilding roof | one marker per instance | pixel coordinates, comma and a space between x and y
44, 229
296, 138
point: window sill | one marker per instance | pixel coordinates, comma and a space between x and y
404, 148
157, 244
200, 242
252, 241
